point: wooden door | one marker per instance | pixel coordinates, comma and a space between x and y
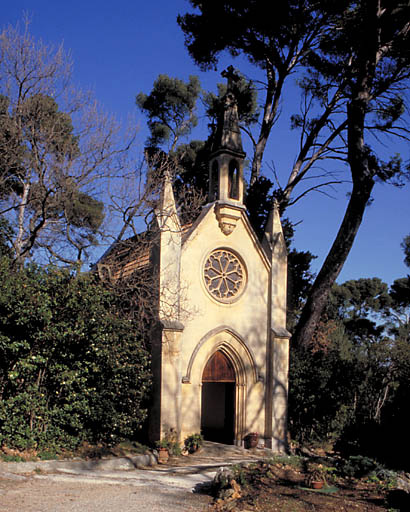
218, 399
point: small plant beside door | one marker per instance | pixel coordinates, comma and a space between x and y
193, 442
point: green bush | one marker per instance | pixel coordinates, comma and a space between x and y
11, 458
321, 386
357, 466
47, 455
170, 442
71, 369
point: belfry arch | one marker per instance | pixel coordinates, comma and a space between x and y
233, 180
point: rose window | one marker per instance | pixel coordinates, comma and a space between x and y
224, 275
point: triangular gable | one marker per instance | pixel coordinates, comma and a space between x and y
209, 209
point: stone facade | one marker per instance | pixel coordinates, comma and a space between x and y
222, 290
246, 324
221, 311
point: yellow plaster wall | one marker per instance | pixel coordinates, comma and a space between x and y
248, 317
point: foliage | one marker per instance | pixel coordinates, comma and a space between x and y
259, 200
56, 148
385, 478
169, 442
193, 442
11, 458
406, 249
371, 78
300, 278
316, 472
293, 461
70, 368
321, 395
163, 443
350, 385
193, 162
191, 182
350, 92
6, 232
275, 46
357, 466
47, 455
170, 108
239, 474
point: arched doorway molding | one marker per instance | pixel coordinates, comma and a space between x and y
228, 342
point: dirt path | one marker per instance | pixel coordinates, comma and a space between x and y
271, 487
167, 488
96, 493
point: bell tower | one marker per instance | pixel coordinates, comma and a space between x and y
226, 183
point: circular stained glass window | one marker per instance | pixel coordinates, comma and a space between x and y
224, 275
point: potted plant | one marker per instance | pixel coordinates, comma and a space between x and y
163, 450
193, 442
316, 476
251, 440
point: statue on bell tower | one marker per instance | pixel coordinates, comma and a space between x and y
227, 159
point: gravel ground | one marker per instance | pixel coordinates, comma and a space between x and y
100, 493
111, 486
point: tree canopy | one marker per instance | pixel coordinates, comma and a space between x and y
406, 248
55, 147
277, 45
353, 94
170, 108
349, 386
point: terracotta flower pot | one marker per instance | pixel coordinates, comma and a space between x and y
317, 484
163, 455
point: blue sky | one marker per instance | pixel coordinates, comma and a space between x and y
119, 48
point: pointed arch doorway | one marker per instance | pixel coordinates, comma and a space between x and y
218, 399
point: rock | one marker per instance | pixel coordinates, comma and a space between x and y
222, 478
305, 452
230, 506
399, 498
403, 483
226, 494
225, 486
233, 492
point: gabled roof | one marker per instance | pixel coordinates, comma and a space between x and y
131, 255
125, 257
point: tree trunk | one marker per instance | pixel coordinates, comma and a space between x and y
333, 264
363, 183
258, 154
270, 110
18, 244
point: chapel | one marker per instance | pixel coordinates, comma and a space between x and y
220, 347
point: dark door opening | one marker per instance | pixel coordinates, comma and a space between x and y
218, 400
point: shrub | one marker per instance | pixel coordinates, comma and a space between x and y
357, 466
71, 369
